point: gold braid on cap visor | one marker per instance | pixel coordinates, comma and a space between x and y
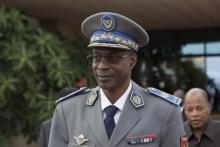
116, 39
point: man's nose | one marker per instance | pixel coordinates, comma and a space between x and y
195, 112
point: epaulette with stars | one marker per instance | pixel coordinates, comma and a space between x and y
82, 90
168, 97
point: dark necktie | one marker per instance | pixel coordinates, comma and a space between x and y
109, 120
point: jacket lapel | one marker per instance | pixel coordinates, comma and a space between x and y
128, 119
95, 119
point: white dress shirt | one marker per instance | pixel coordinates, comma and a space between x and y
119, 103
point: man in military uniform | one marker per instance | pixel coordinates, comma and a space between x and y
200, 129
44, 135
118, 112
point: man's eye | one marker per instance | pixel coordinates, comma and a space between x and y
188, 110
97, 57
199, 108
112, 57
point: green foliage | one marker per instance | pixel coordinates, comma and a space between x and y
34, 66
189, 76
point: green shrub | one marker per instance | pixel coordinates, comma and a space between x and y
34, 66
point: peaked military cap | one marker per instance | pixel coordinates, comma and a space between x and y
107, 29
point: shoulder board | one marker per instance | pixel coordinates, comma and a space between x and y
168, 97
82, 90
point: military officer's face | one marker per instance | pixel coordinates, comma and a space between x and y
197, 110
112, 67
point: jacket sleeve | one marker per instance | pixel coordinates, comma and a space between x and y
42, 136
58, 133
172, 130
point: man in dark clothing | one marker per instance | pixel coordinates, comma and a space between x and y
200, 129
46, 125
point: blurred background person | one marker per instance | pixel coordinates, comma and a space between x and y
200, 129
46, 125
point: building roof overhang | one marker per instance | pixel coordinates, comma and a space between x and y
152, 14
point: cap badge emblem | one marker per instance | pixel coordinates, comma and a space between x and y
107, 23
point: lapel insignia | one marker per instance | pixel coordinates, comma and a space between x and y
91, 98
168, 97
136, 99
80, 139
141, 139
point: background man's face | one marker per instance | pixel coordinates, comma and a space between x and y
197, 110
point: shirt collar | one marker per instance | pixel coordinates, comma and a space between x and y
188, 130
209, 130
119, 103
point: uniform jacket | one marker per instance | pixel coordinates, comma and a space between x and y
210, 137
44, 133
157, 123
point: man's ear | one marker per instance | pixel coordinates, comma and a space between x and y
134, 59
